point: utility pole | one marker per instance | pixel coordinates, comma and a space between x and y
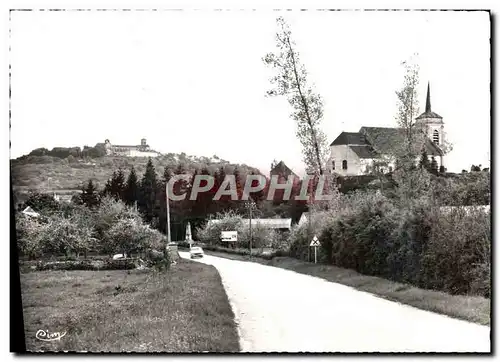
168, 213
250, 204
309, 217
250, 231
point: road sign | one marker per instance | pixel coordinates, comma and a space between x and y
315, 242
229, 236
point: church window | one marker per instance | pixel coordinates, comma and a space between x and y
344, 165
333, 165
435, 137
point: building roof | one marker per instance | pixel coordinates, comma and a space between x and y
383, 139
428, 112
30, 212
432, 149
270, 223
282, 169
349, 138
364, 151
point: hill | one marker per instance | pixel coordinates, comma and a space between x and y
46, 173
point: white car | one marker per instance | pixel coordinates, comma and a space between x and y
196, 252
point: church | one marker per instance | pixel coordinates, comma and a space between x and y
353, 153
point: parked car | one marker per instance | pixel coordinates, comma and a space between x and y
196, 252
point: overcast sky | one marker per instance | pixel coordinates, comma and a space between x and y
194, 81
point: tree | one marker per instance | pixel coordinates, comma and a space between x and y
90, 195
434, 166
30, 236
44, 203
291, 81
115, 187
378, 169
424, 160
148, 192
131, 192
412, 181
68, 235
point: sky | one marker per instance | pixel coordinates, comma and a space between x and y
194, 81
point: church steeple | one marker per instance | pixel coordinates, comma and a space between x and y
428, 114
428, 101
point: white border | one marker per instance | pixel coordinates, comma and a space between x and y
124, 4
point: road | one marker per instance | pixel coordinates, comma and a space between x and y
282, 311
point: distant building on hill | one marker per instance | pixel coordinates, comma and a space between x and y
142, 150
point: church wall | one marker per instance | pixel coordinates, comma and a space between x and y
338, 153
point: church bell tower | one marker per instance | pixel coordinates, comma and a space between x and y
432, 123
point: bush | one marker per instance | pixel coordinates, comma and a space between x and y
210, 232
125, 264
414, 243
132, 236
30, 235
458, 256
262, 237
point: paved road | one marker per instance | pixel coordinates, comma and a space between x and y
283, 311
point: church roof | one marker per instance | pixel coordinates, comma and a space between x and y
349, 138
428, 112
432, 149
383, 139
364, 151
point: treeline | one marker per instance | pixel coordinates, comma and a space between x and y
64, 152
147, 193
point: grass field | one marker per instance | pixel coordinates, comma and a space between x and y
183, 310
470, 308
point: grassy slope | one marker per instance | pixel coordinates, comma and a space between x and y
183, 310
470, 308
64, 175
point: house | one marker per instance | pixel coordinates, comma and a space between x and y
282, 170
353, 153
30, 212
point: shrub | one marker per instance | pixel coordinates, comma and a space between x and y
299, 243
132, 236
67, 235
415, 242
30, 236
210, 232
459, 253
262, 237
